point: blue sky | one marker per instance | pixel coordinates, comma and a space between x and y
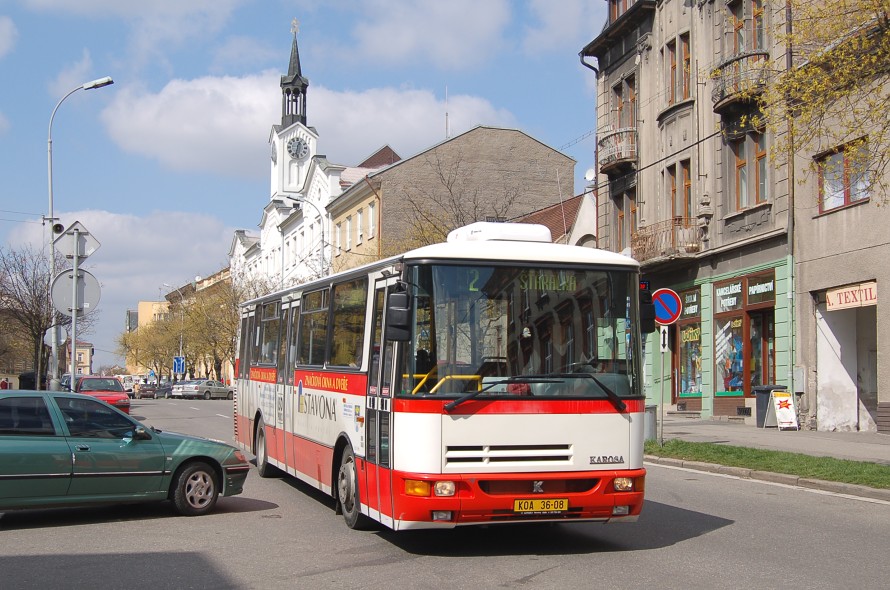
162, 166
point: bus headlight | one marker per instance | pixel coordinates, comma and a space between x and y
623, 484
445, 488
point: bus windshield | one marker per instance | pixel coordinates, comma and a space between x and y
516, 330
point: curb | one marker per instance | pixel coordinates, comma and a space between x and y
782, 478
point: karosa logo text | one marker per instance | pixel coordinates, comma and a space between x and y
606, 459
315, 404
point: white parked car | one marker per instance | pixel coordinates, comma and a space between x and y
201, 388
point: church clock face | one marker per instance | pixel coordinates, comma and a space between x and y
297, 148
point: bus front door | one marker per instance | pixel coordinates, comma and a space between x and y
378, 421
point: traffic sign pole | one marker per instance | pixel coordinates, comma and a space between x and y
668, 308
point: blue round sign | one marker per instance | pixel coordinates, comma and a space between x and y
667, 306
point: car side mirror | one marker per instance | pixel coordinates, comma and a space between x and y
141, 434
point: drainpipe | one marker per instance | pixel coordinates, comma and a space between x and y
596, 237
792, 288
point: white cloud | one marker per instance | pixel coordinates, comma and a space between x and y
9, 34
356, 124
564, 26
74, 75
156, 24
137, 255
208, 124
221, 125
457, 34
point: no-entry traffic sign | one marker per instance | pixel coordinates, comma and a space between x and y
667, 306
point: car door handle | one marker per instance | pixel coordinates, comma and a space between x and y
82, 447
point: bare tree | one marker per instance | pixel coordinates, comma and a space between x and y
24, 294
450, 198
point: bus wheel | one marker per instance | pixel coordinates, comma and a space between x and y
262, 455
347, 492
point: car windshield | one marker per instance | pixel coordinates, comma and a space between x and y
99, 384
520, 330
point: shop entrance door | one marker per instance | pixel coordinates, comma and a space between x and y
761, 361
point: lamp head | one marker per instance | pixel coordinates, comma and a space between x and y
106, 81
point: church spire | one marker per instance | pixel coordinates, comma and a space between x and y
293, 86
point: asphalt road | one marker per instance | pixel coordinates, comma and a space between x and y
698, 530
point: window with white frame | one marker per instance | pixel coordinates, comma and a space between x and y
349, 232
358, 227
372, 220
337, 232
843, 177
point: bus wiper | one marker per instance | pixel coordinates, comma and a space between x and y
451, 405
613, 397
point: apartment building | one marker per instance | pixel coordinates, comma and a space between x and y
686, 187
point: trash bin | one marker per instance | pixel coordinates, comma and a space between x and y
761, 394
649, 420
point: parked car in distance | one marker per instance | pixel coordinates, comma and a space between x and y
164, 390
145, 390
202, 388
107, 389
67, 449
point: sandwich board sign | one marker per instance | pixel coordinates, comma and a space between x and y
781, 411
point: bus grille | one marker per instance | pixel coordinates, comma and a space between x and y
492, 454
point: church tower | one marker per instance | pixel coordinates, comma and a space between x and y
293, 87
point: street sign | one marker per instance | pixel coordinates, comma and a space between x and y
664, 338
179, 364
667, 306
84, 245
88, 292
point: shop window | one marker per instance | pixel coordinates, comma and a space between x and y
729, 354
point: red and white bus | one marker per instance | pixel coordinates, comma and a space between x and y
494, 378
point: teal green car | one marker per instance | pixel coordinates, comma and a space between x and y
67, 449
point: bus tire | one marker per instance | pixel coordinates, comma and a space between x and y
348, 494
262, 454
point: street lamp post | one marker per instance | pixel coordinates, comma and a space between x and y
54, 358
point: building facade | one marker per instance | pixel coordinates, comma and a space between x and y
484, 174
777, 268
686, 187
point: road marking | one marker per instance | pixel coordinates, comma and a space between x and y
775, 483
224, 416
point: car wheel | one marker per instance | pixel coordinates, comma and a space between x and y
206, 395
347, 492
229, 396
262, 454
195, 490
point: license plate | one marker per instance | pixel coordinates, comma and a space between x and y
541, 505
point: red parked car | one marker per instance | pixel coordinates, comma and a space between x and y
107, 389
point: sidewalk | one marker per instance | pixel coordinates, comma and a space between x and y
854, 446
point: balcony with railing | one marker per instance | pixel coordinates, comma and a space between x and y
669, 239
740, 78
618, 149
